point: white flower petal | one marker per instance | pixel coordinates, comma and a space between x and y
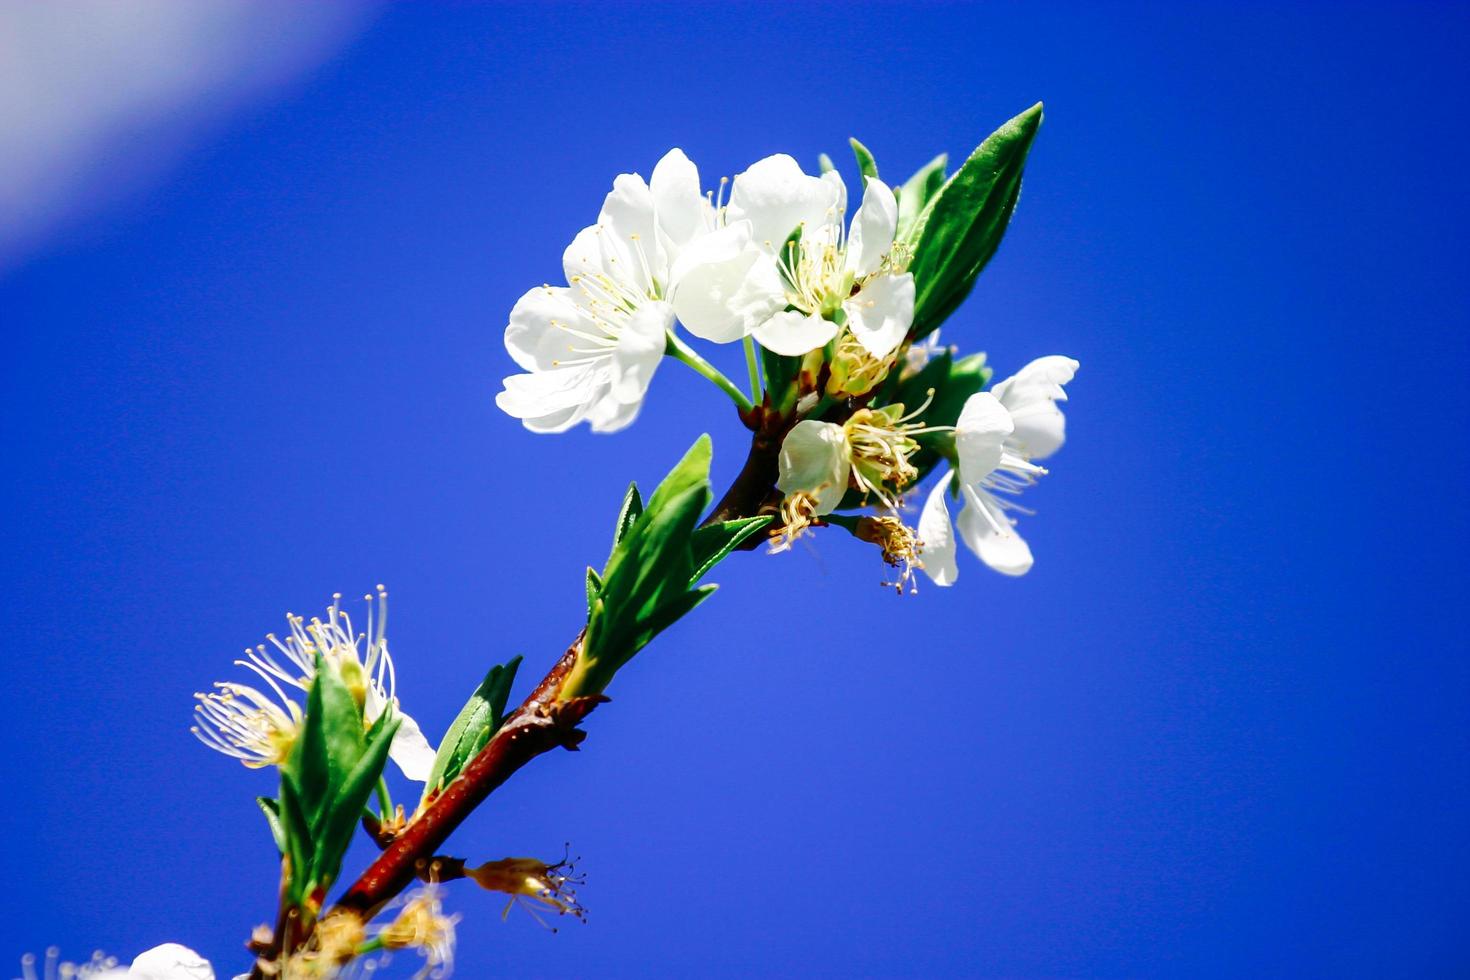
170, 961
641, 344
936, 537
814, 459
725, 286
776, 196
793, 334
411, 750
984, 527
611, 415
980, 435
873, 226
551, 401
586, 255
1030, 395
628, 223
880, 315
541, 325
681, 211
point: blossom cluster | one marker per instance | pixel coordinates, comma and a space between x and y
778, 267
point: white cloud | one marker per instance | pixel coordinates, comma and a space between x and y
98, 96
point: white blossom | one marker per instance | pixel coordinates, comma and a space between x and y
744, 280
590, 348
998, 436
243, 722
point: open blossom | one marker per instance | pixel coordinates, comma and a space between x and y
247, 724
590, 347
744, 279
998, 436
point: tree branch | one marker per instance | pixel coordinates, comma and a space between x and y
542, 722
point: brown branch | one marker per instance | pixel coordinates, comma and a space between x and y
542, 722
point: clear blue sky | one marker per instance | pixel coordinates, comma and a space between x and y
1220, 730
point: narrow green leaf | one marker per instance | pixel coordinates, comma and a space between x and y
690, 471
671, 612
296, 828
866, 164
346, 807
481, 715
272, 811
711, 544
917, 191
331, 741
594, 583
631, 510
961, 226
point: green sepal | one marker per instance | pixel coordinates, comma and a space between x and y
342, 816
824, 163
960, 228
867, 166
917, 191
272, 810
479, 719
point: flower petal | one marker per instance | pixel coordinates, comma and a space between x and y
873, 227
776, 196
980, 435
640, 348
724, 286
1030, 395
680, 210
881, 313
814, 460
551, 401
988, 532
411, 750
936, 537
538, 334
170, 961
631, 241
793, 334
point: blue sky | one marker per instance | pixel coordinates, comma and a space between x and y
1218, 731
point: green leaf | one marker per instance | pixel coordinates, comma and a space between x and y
272, 811
296, 829
594, 584
630, 511
479, 719
690, 472
711, 543
866, 164
647, 582
330, 744
917, 192
341, 816
960, 228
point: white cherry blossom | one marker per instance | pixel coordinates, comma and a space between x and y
744, 280
998, 436
590, 348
